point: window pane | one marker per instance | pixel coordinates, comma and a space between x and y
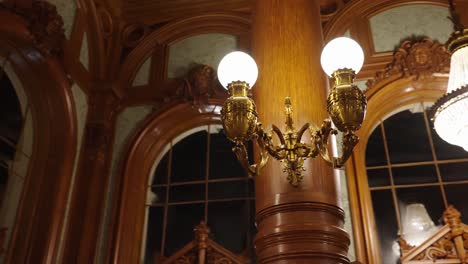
154, 234
456, 195
386, 222
223, 162
430, 197
375, 151
230, 189
189, 192
414, 174
181, 221
189, 158
378, 177
407, 138
454, 171
228, 224
160, 174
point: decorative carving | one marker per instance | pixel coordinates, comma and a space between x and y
203, 250
45, 25
200, 84
420, 58
450, 242
132, 34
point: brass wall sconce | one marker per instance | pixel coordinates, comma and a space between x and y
341, 59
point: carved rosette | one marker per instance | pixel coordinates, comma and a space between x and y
421, 58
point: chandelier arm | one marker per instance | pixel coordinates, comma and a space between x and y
277, 152
321, 140
279, 134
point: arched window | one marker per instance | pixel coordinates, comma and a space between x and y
198, 178
408, 165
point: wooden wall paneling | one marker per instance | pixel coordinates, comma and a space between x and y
232, 23
88, 198
39, 220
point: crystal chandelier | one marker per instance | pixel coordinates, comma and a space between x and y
450, 112
341, 59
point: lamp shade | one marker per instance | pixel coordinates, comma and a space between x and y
341, 53
417, 224
237, 66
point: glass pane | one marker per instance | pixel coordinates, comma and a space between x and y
181, 220
386, 222
414, 174
228, 224
190, 192
189, 158
10, 111
456, 196
252, 232
251, 192
454, 171
407, 138
230, 189
154, 234
223, 162
430, 197
160, 174
378, 177
375, 151
157, 195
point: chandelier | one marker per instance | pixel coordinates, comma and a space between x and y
341, 59
449, 113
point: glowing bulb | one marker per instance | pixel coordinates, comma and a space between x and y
342, 53
237, 66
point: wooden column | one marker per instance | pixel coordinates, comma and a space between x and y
295, 224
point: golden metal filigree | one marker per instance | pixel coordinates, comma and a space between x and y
346, 105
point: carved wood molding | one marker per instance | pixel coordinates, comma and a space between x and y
44, 24
448, 245
419, 58
204, 250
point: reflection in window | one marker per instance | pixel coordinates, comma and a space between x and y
199, 179
409, 166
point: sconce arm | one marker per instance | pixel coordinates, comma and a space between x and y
321, 136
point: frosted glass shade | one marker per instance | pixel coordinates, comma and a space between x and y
451, 122
342, 53
417, 225
237, 66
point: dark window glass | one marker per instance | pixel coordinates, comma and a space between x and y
10, 111
189, 192
457, 196
414, 174
430, 197
387, 227
454, 171
161, 173
375, 151
223, 162
230, 189
154, 233
228, 224
181, 221
378, 177
189, 158
251, 192
407, 138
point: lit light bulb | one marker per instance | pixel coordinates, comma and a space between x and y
237, 66
341, 53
